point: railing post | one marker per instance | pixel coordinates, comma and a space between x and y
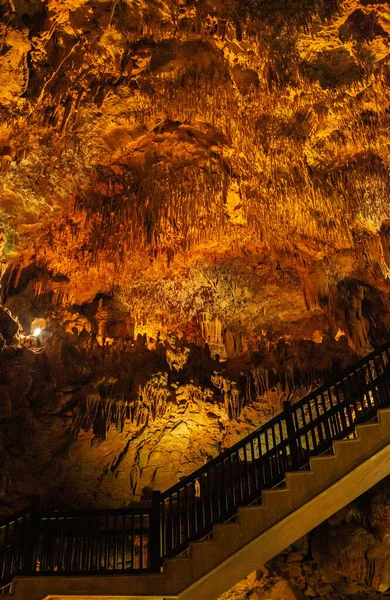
292, 436
155, 532
31, 539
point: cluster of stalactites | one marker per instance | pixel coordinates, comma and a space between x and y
161, 208
156, 399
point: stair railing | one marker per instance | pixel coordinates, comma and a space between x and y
14, 546
135, 540
237, 477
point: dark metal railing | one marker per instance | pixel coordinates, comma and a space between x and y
64, 542
14, 541
94, 542
237, 477
137, 540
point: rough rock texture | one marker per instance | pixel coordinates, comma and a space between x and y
194, 212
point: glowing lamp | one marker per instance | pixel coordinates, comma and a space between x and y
37, 332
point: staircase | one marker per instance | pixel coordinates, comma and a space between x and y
209, 531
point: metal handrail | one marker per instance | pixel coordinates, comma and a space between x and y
286, 442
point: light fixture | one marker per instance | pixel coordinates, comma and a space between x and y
37, 332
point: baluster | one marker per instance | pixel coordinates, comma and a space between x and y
13, 547
348, 387
373, 403
178, 521
61, 544
43, 532
348, 402
31, 541
381, 383
199, 513
78, 521
115, 562
4, 570
155, 532
70, 545
275, 459
70, 548
366, 401
319, 421
199, 503
341, 407
253, 466
213, 494
225, 486
267, 458
170, 544
124, 548
133, 562
314, 444
83, 541
195, 509
358, 375
239, 478
249, 490
292, 433
334, 416
204, 496
55, 542
98, 543
304, 430
141, 541
187, 514
232, 487
260, 462
328, 434
386, 371
88, 562
281, 448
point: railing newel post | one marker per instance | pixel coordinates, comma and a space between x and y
155, 532
292, 436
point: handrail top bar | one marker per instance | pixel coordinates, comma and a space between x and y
11, 520
22, 513
19, 515
222, 456
104, 512
269, 424
342, 375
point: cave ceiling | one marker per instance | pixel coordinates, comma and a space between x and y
195, 157
194, 184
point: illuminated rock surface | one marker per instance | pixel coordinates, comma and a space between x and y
194, 209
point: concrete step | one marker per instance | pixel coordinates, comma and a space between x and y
252, 516
365, 430
224, 533
384, 416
